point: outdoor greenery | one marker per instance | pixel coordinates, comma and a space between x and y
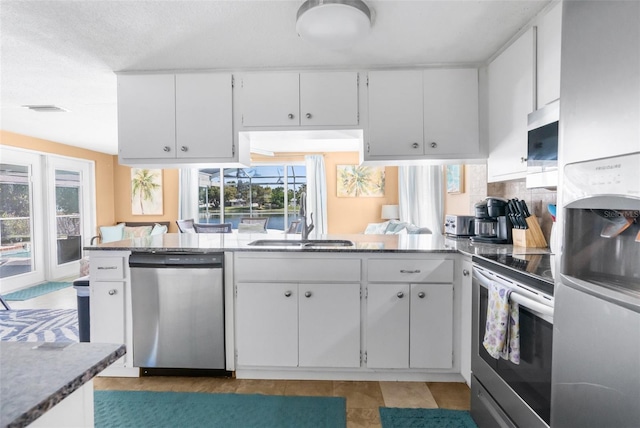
14, 205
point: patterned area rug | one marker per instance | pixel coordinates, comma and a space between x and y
392, 417
39, 325
190, 409
35, 291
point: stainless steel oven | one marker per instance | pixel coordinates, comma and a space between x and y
504, 393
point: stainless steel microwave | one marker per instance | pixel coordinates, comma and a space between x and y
542, 146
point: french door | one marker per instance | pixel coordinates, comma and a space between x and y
46, 216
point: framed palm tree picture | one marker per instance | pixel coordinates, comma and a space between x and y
354, 181
146, 191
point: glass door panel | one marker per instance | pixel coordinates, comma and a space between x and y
68, 225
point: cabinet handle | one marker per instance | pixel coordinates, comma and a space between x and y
184, 148
434, 145
307, 294
421, 294
308, 115
465, 272
415, 145
112, 292
523, 160
400, 294
290, 116
166, 148
409, 271
287, 293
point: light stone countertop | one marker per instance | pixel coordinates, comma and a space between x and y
35, 376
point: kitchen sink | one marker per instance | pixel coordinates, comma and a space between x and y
303, 243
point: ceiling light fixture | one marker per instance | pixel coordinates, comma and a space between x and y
46, 108
333, 24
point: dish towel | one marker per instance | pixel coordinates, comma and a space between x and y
502, 332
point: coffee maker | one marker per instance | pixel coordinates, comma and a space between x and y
492, 224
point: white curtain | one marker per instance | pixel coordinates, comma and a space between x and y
316, 192
421, 197
188, 194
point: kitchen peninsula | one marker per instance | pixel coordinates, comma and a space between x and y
388, 307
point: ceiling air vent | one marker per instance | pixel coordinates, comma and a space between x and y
46, 108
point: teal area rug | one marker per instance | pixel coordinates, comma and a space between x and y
190, 409
35, 291
392, 417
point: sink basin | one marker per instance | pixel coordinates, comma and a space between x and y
305, 243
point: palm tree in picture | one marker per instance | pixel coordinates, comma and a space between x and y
144, 184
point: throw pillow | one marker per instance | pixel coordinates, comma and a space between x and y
158, 229
136, 232
395, 227
376, 228
111, 233
251, 228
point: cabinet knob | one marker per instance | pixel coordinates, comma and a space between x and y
287, 293
523, 159
415, 145
166, 148
184, 148
421, 294
400, 294
465, 272
308, 115
112, 292
290, 116
307, 294
434, 145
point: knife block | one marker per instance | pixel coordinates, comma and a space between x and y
531, 237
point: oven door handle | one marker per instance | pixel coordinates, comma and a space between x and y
539, 309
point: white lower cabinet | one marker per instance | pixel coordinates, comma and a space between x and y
298, 325
107, 308
409, 325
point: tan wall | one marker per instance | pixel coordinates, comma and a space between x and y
474, 190
351, 215
104, 166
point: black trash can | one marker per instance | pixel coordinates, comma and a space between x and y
82, 288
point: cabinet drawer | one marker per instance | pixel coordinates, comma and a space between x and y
107, 268
407, 270
295, 269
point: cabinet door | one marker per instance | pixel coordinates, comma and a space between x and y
388, 326
329, 98
465, 321
107, 311
146, 116
451, 112
270, 99
511, 88
267, 324
548, 63
329, 330
431, 326
395, 113
204, 116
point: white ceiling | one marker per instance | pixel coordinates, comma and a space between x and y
65, 52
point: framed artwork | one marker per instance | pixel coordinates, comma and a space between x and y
360, 181
146, 191
455, 178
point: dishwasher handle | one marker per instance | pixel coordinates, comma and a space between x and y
176, 260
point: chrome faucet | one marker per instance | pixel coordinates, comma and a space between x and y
306, 229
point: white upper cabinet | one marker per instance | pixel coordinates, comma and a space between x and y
299, 99
183, 118
548, 62
511, 91
451, 112
426, 114
395, 114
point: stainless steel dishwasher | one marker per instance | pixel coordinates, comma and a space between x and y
178, 312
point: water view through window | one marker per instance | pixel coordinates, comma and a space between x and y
273, 191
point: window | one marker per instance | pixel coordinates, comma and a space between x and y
273, 191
